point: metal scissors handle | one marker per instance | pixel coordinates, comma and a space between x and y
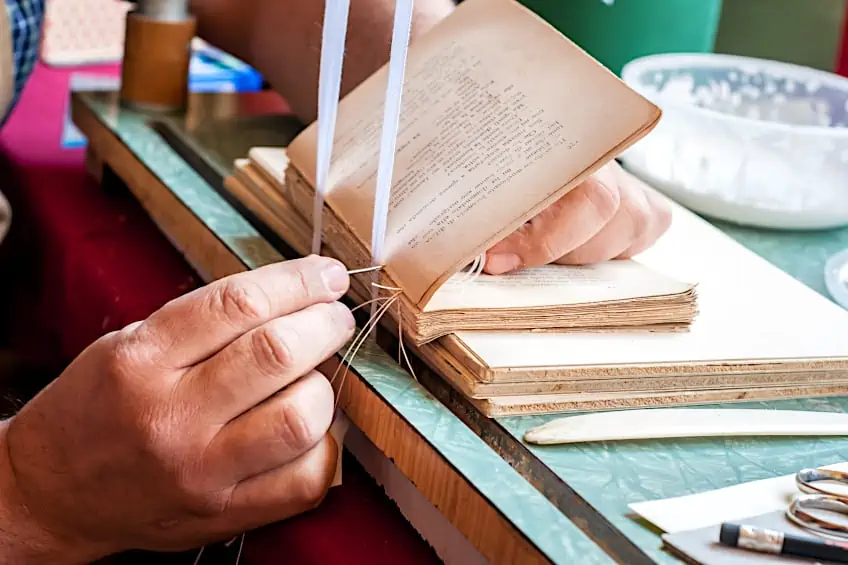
821, 495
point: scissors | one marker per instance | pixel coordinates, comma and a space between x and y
820, 494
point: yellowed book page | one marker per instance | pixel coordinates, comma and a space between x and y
555, 285
749, 310
501, 116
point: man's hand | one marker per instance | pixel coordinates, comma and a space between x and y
612, 215
203, 421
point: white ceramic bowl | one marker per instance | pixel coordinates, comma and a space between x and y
751, 141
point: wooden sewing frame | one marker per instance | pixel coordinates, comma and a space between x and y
467, 483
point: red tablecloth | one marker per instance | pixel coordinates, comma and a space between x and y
81, 262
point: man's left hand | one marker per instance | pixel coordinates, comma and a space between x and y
611, 215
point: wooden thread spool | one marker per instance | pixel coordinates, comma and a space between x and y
155, 70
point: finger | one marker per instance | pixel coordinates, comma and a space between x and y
661, 217
630, 223
274, 433
286, 491
197, 325
265, 360
563, 226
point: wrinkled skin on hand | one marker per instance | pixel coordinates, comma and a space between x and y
203, 421
611, 215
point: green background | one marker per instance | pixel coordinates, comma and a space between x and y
806, 32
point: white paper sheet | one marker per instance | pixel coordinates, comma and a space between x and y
723, 505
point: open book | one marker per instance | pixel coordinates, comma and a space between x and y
761, 334
501, 117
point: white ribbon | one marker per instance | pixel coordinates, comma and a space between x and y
391, 121
329, 83
329, 87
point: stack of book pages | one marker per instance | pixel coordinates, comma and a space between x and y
501, 117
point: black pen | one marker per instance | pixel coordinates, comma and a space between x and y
779, 543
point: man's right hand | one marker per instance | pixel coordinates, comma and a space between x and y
203, 421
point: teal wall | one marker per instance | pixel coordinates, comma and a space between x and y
806, 32
627, 29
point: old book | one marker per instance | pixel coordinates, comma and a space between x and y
761, 334
758, 351
501, 117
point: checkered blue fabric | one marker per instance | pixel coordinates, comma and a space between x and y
25, 26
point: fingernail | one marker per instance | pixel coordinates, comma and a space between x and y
499, 263
336, 278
